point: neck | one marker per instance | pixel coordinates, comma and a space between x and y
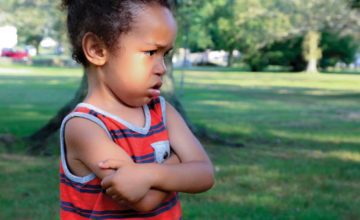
99, 93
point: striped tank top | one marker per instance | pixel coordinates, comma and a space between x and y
83, 197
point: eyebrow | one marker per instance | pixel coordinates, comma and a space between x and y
160, 45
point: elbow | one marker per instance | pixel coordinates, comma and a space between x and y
210, 179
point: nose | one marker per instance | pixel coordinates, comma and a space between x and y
161, 67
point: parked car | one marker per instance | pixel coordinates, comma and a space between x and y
14, 54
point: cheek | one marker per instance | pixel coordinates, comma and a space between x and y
140, 68
132, 73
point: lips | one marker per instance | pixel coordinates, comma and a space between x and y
157, 86
155, 90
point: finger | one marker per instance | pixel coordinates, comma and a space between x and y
111, 164
117, 197
111, 192
106, 182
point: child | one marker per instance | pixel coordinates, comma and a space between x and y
126, 152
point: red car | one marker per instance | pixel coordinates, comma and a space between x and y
15, 54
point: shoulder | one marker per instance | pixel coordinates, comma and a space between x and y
171, 113
84, 126
81, 132
87, 142
174, 119
182, 140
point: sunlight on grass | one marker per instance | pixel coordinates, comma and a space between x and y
293, 80
40, 71
10, 163
336, 154
331, 137
12, 71
226, 105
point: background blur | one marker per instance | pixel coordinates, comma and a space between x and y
272, 88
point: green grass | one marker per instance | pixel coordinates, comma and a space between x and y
301, 134
30, 96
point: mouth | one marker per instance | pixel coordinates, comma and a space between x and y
155, 90
157, 86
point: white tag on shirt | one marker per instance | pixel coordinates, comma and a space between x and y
161, 150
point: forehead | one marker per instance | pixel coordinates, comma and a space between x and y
154, 23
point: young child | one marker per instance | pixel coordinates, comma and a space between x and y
126, 152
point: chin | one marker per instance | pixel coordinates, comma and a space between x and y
141, 102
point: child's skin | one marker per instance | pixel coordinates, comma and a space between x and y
121, 82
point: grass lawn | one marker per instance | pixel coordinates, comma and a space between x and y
301, 134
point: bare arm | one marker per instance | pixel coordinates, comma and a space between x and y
88, 150
193, 174
153, 198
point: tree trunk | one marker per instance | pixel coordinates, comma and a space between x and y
312, 66
38, 139
230, 58
311, 50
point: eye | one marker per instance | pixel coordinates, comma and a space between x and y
150, 52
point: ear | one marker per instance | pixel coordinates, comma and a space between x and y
94, 49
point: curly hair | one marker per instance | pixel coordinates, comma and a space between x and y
107, 19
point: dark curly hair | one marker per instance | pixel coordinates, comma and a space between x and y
108, 19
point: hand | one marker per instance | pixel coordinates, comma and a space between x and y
130, 182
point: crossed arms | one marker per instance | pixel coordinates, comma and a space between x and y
140, 186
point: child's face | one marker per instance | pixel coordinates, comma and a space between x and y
134, 72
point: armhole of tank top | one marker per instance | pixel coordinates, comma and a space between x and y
67, 172
163, 109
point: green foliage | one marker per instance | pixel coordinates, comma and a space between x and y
192, 32
337, 49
